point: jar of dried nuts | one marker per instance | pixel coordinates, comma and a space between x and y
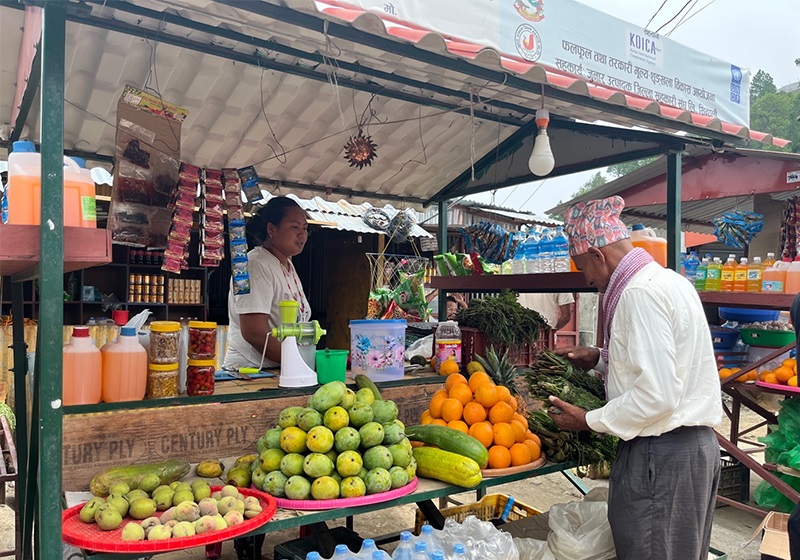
162, 381
202, 340
164, 342
200, 377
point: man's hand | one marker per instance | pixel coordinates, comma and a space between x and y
571, 417
582, 356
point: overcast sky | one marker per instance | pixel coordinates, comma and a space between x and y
754, 35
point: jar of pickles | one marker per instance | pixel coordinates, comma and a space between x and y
202, 340
164, 342
162, 381
200, 377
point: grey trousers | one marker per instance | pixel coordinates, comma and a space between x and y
662, 493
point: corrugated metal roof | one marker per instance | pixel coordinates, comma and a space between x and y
239, 102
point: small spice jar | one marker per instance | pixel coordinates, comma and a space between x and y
202, 340
200, 377
164, 342
162, 381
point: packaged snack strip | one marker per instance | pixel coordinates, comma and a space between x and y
214, 209
247, 174
238, 248
184, 186
232, 187
441, 265
215, 238
236, 228
179, 236
253, 193
213, 226
452, 263
213, 175
241, 284
173, 251
171, 265
189, 171
236, 213
467, 237
465, 262
216, 195
239, 265
233, 200
230, 174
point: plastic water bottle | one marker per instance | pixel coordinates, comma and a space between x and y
459, 552
420, 551
546, 252
367, 548
404, 550
518, 262
437, 555
341, 552
691, 264
313, 556
380, 555
700, 276
430, 540
560, 245
531, 253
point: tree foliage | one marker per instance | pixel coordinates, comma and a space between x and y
620, 169
776, 113
761, 84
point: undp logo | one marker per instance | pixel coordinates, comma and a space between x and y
528, 42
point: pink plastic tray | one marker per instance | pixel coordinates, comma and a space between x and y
89, 536
314, 505
778, 386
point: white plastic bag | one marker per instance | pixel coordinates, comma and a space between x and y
580, 531
421, 347
532, 549
481, 539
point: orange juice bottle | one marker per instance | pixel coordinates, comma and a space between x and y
124, 368
727, 276
769, 261
740, 276
755, 271
82, 369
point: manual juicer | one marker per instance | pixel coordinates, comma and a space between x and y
295, 372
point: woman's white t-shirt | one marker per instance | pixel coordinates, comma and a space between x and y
270, 283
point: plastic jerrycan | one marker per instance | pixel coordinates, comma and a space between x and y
773, 278
124, 368
82, 382
792, 285
647, 239
81, 178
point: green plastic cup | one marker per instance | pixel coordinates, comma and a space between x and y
288, 310
331, 365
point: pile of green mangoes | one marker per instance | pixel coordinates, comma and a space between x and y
344, 444
188, 509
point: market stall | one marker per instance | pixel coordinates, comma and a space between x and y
421, 96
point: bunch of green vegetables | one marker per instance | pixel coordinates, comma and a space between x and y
553, 375
502, 319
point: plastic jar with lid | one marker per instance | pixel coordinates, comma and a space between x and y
164, 342
202, 340
200, 377
162, 381
448, 343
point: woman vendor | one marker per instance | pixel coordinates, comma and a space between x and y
278, 232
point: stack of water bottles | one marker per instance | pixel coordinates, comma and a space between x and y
424, 547
542, 251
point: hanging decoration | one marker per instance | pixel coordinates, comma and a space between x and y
738, 228
360, 150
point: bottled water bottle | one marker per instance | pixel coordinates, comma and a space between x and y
560, 246
367, 548
518, 263
690, 265
437, 555
420, 551
459, 552
404, 550
546, 252
427, 536
341, 552
313, 556
380, 555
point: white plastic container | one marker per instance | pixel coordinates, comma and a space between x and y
377, 348
124, 368
83, 367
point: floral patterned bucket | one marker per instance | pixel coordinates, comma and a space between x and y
378, 348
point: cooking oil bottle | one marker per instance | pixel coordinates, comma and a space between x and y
740, 276
701, 275
714, 275
754, 275
728, 272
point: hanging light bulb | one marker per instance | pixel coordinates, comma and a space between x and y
542, 161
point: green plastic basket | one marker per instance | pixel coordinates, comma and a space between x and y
767, 338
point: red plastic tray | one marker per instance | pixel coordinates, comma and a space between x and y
315, 505
533, 465
778, 386
89, 536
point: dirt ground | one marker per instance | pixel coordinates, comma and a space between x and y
732, 527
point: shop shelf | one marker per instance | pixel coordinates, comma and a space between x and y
527, 283
744, 299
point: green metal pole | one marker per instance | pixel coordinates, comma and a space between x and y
20, 394
674, 164
442, 249
51, 282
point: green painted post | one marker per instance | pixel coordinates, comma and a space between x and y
442, 235
20, 394
51, 281
674, 165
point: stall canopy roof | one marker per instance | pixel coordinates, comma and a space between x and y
712, 182
282, 86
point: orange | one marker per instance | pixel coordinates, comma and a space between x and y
427, 420
521, 419
435, 407
486, 394
482, 431
459, 425
519, 431
499, 457
452, 409
520, 454
769, 377
724, 372
534, 438
474, 412
448, 367
438, 422
792, 381
501, 412
535, 449
503, 394
512, 402
503, 434
783, 373
478, 378
454, 379
789, 362
752, 375
425, 414
461, 392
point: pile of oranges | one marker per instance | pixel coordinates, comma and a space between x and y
784, 374
487, 412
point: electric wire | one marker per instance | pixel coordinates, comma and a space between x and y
670, 20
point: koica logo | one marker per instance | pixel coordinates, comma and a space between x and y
532, 10
528, 42
644, 46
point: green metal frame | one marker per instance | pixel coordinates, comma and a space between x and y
674, 169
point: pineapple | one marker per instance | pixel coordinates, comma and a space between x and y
504, 373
